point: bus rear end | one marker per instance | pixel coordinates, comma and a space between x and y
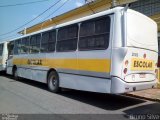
3, 56
138, 62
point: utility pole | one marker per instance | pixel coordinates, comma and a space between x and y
88, 1
114, 3
25, 31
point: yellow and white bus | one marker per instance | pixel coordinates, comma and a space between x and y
114, 51
3, 55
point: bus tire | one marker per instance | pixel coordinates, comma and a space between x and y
53, 82
15, 73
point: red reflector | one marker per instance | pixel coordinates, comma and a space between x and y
125, 71
126, 63
144, 56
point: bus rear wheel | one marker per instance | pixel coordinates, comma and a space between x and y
53, 82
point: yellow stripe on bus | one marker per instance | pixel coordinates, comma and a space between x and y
0, 61
95, 65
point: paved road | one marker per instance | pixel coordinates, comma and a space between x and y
29, 97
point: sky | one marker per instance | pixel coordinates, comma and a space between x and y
13, 17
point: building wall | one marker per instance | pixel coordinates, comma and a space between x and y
147, 7
150, 8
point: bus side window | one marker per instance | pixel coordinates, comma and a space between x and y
10, 48
67, 38
94, 34
48, 41
25, 45
17, 47
44, 42
1, 49
52, 41
35, 43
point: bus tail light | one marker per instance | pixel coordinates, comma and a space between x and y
126, 63
125, 70
144, 56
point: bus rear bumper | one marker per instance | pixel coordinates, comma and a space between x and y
119, 86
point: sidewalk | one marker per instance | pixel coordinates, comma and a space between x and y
150, 94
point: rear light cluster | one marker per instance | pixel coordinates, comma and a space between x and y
144, 56
125, 70
126, 65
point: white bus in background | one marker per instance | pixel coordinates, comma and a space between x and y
3, 55
114, 51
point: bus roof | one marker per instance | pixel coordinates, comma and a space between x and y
110, 11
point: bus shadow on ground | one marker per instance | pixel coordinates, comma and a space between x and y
103, 101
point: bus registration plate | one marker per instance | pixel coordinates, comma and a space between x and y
142, 75
142, 64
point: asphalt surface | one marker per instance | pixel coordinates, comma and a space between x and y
30, 97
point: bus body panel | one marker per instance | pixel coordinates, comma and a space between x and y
141, 65
85, 83
137, 78
75, 77
142, 52
134, 62
119, 86
27, 67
